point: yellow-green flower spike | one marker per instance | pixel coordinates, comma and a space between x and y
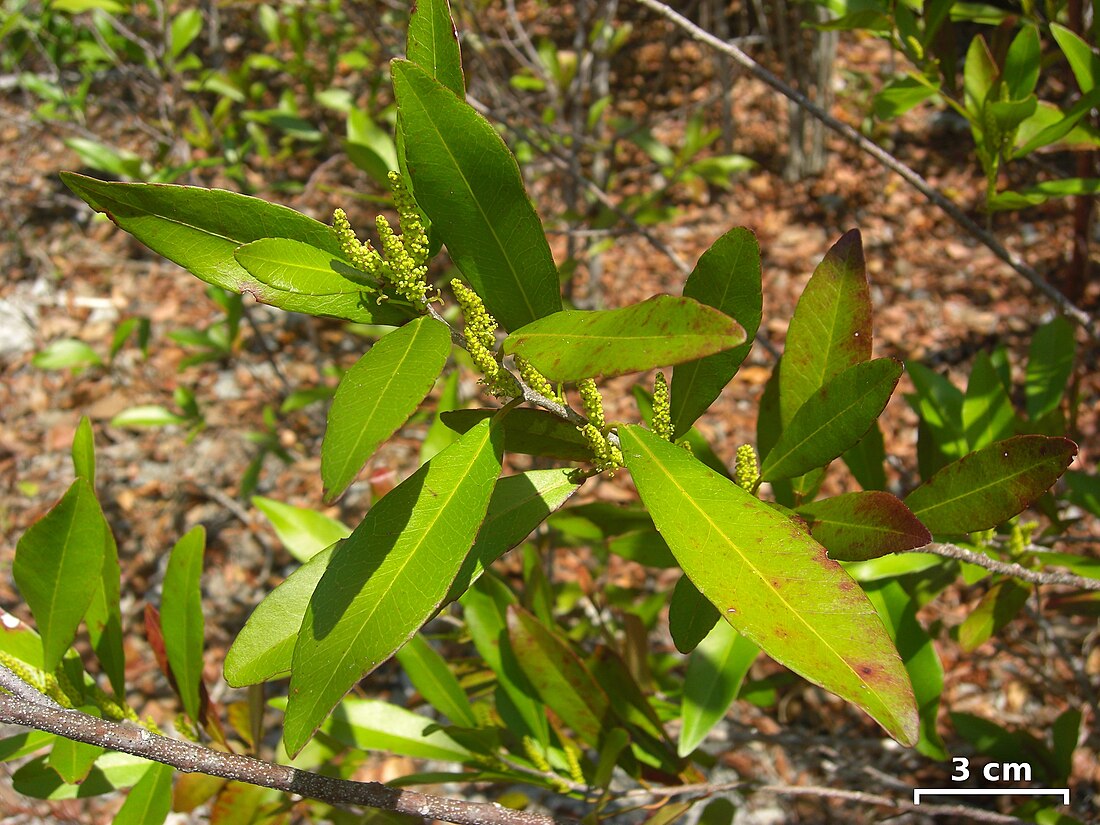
606, 456
413, 237
363, 256
592, 402
535, 754
746, 471
1020, 537
662, 408
536, 380
32, 676
480, 341
573, 762
399, 269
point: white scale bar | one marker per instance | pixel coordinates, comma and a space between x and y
1062, 792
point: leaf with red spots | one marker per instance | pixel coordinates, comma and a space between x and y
983, 489
831, 327
572, 344
864, 525
772, 581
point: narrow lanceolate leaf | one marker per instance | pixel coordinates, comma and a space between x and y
831, 327
983, 489
519, 504
727, 277
103, 618
380, 726
572, 344
429, 674
714, 676
432, 44
772, 581
1049, 364
691, 616
1000, 605
987, 413
200, 229
57, 566
469, 185
84, 451
377, 395
389, 576
527, 431
317, 280
150, 800
834, 418
865, 525
559, 676
264, 649
181, 618
303, 532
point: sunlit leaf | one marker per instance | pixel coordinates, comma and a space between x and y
303, 532
661, 331
987, 413
429, 674
1049, 365
864, 525
715, 672
150, 800
771, 581
432, 44
181, 616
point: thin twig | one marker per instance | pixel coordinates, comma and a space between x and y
950, 551
191, 758
886, 159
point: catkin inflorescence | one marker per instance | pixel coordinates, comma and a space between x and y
662, 408
481, 339
403, 261
746, 471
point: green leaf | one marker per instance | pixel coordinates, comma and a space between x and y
939, 404
303, 532
831, 327
833, 419
317, 280
439, 434
379, 726
979, 74
1049, 366
1082, 59
867, 458
147, 415
1060, 128
519, 504
714, 675
84, 451
103, 618
485, 607
185, 27
864, 525
432, 44
663, 330
771, 581
1000, 605
68, 353
987, 487
1021, 69
469, 185
56, 565
429, 674
900, 95
987, 413
377, 395
200, 229
264, 649
527, 431
384, 581
898, 611
150, 800
1084, 491
643, 546
691, 616
113, 770
181, 617
73, 760
559, 675
727, 277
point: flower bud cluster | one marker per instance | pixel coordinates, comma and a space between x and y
536, 380
481, 340
592, 402
746, 472
403, 261
662, 408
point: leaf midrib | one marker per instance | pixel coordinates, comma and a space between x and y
972, 491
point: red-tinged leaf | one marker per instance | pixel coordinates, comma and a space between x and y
237, 802
558, 675
864, 525
663, 330
983, 489
181, 617
835, 418
1000, 605
57, 568
194, 789
772, 581
831, 327
727, 277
